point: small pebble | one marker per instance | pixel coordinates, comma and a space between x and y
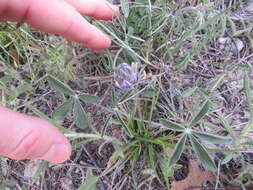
233, 46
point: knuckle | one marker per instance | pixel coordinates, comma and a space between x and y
26, 145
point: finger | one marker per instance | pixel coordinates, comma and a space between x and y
23, 137
58, 17
99, 9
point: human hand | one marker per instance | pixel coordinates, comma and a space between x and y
27, 137
62, 17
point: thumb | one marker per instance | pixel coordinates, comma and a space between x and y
27, 137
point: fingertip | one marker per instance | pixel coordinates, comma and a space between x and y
98, 45
99, 41
58, 153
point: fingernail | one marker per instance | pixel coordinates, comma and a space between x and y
57, 153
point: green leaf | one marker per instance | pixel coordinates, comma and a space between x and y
247, 91
80, 116
43, 116
183, 64
59, 86
203, 111
215, 83
216, 139
39, 113
126, 95
226, 125
118, 149
151, 155
42, 166
106, 125
202, 154
172, 125
124, 125
177, 150
90, 181
125, 7
189, 92
228, 157
87, 98
61, 112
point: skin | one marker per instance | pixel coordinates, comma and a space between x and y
28, 137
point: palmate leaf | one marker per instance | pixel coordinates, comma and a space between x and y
177, 150
59, 86
202, 154
80, 116
203, 111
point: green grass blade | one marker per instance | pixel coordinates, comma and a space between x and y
177, 150
228, 157
247, 91
151, 155
189, 92
248, 94
215, 83
42, 166
191, 33
203, 111
202, 154
80, 116
124, 125
183, 64
152, 108
106, 125
172, 125
59, 86
118, 149
126, 95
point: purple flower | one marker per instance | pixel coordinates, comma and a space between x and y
126, 84
116, 84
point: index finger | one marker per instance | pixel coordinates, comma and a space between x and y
58, 17
61, 17
99, 9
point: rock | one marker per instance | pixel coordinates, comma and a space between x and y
233, 46
223, 40
239, 45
